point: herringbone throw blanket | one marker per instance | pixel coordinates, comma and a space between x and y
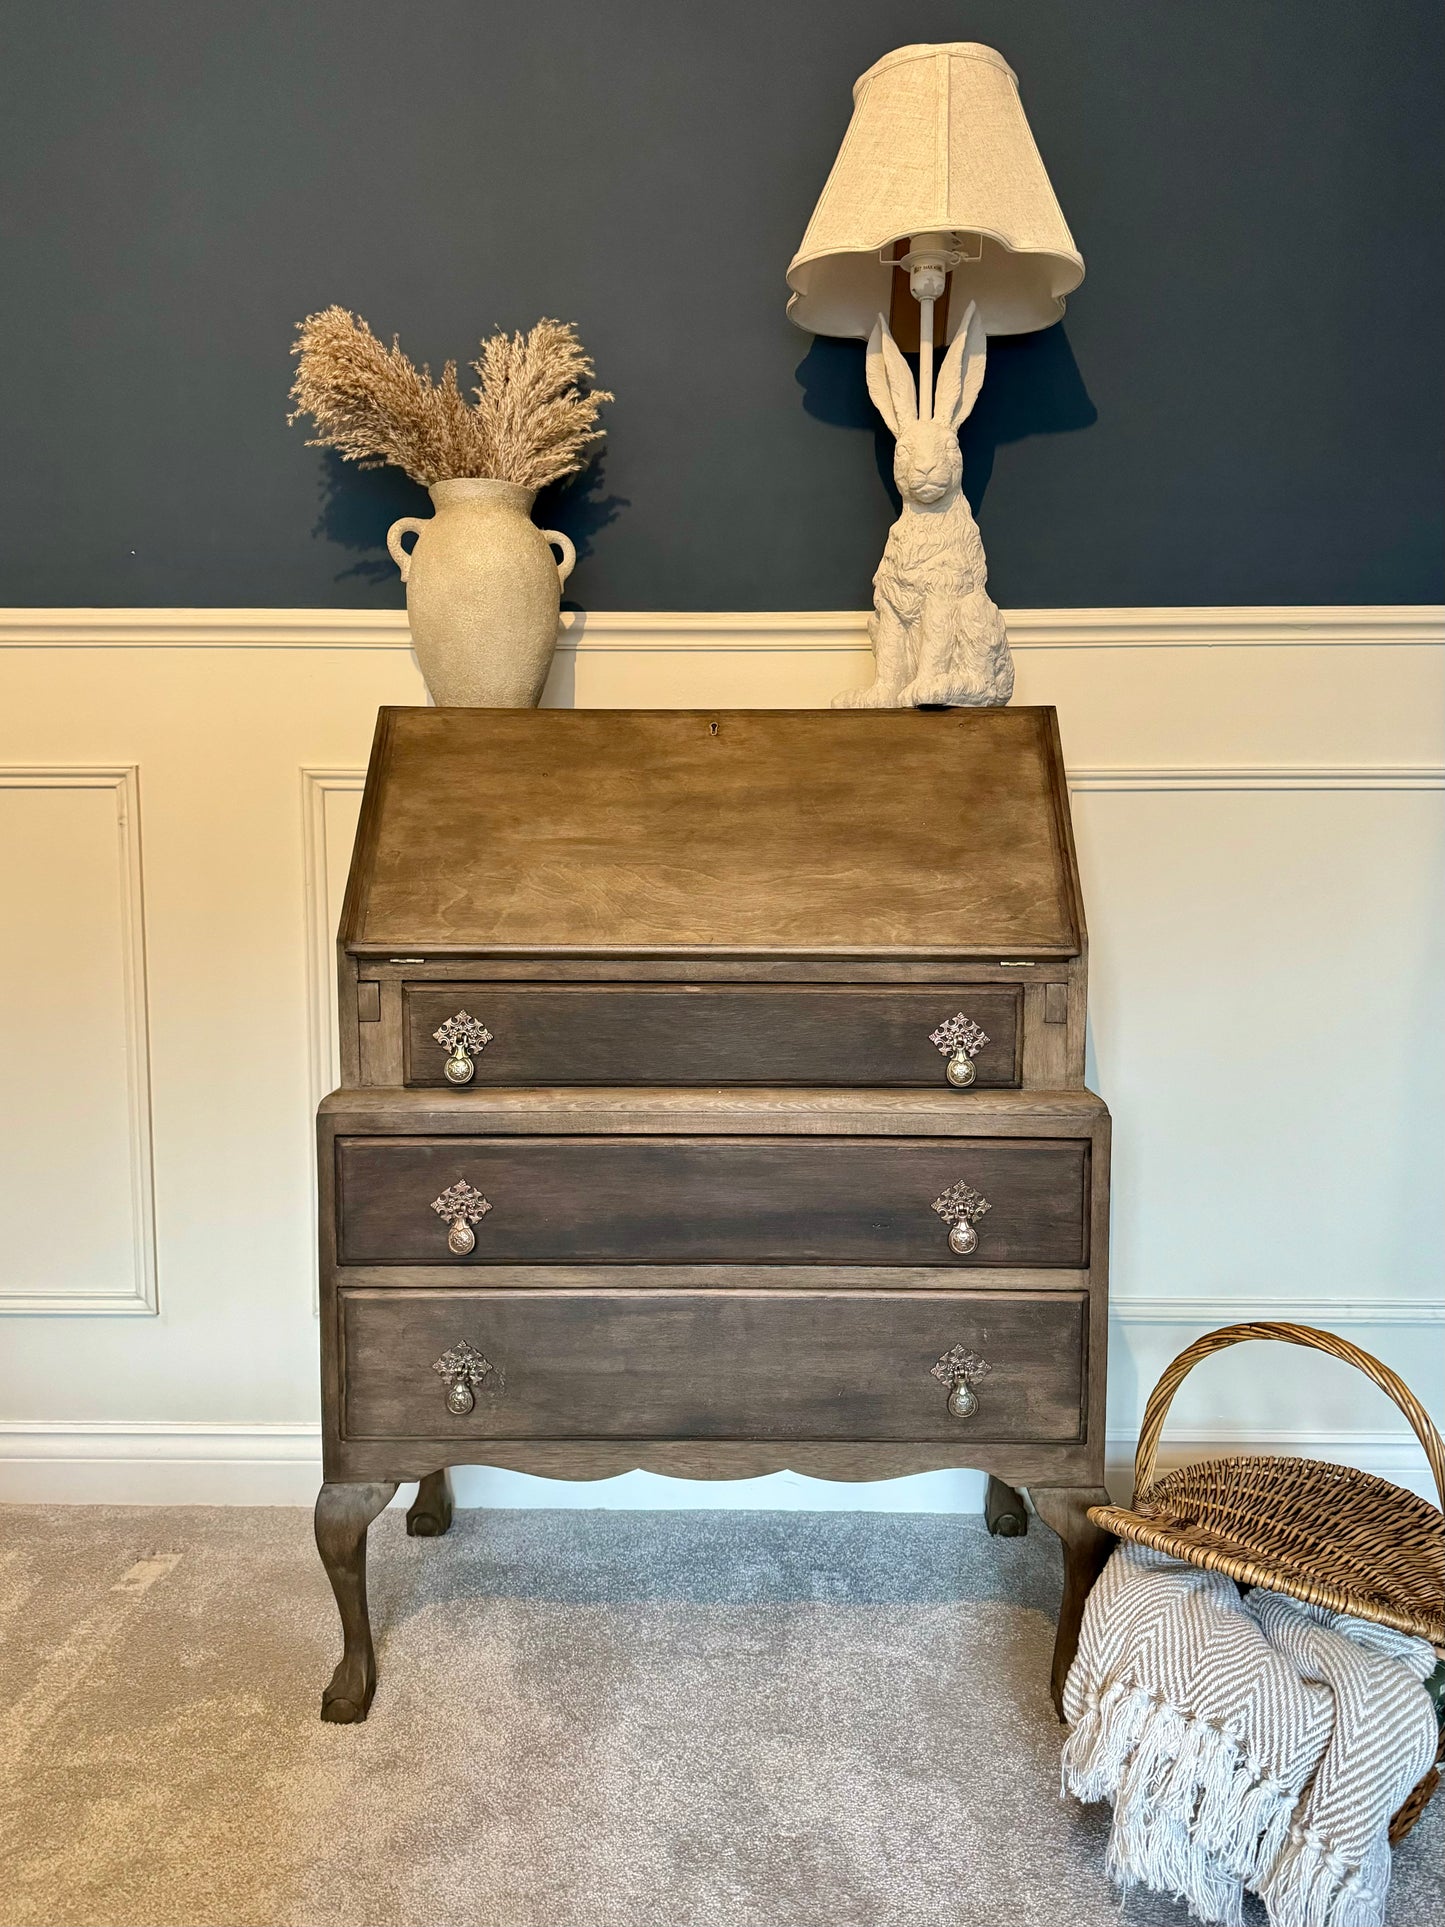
1246, 1742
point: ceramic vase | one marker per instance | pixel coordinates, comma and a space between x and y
483, 591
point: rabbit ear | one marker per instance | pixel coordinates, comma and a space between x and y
890, 380
961, 376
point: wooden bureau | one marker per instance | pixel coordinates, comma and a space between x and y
713, 1103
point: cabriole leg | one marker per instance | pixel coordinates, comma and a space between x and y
430, 1512
1086, 1548
343, 1513
1004, 1511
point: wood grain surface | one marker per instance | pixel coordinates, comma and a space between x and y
447, 1275
709, 1111
727, 1200
616, 1364
709, 1034
888, 832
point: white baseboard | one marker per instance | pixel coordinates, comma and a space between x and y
163, 1462
100, 1462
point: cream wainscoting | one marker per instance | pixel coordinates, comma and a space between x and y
1258, 800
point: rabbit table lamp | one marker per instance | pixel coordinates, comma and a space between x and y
938, 156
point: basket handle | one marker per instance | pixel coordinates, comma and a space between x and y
1160, 1399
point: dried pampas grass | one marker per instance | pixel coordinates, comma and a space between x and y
530, 423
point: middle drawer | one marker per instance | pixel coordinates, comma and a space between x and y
722, 1200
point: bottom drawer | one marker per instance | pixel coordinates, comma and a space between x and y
712, 1365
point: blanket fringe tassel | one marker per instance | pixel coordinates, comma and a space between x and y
1192, 1815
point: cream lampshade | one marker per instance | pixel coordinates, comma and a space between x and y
938, 152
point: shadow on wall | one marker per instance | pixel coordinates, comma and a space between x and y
1033, 387
579, 507
359, 505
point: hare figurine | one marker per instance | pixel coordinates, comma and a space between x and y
937, 638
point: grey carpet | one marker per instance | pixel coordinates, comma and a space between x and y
585, 1719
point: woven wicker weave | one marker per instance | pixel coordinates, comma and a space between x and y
1322, 1533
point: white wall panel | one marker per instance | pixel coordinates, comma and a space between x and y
1267, 1019
76, 1198
1260, 820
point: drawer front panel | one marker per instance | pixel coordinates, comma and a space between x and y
719, 1200
708, 1365
708, 1034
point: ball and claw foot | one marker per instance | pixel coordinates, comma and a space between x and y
430, 1512
348, 1698
1004, 1511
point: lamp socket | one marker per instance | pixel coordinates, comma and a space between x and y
927, 280
928, 260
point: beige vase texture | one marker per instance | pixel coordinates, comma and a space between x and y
483, 593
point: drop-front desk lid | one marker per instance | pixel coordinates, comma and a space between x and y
894, 833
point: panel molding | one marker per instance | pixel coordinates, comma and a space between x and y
1280, 776
320, 946
123, 780
320, 938
1208, 1313
687, 631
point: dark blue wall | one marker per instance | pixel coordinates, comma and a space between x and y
1243, 405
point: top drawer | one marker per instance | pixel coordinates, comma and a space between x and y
514, 1036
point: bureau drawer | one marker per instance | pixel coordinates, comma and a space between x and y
715, 1199
713, 1365
704, 1034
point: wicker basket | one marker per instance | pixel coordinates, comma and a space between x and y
1326, 1534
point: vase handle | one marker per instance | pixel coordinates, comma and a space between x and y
569, 554
408, 525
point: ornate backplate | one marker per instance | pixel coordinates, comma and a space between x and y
463, 1364
459, 1203
961, 1204
959, 1366
957, 1034
464, 1032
